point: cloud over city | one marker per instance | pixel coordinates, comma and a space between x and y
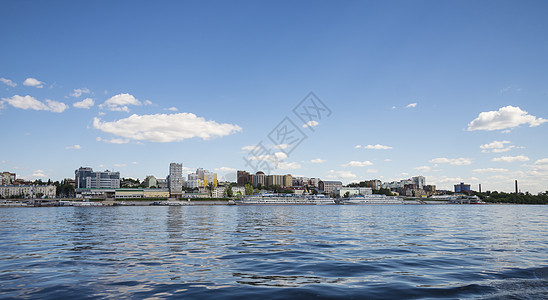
164, 128
507, 117
452, 161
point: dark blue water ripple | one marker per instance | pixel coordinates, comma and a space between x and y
275, 252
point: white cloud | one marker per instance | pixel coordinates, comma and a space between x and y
29, 102
355, 163
511, 158
317, 161
148, 102
33, 82
542, 162
311, 124
388, 159
504, 118
120, 102
39, 173
56, 106
281, 146
78, 92
423, 168
288, 166
75, 147
357, 146
452, 161
372, 171
393, 107
225, 169
8, 82
332, 174
173, 108
496, 147
163, 128
113, 140
490, 170
120, 165
251, 148
86, 103
377, 147
411, 105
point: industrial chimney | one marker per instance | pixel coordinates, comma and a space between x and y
516, 187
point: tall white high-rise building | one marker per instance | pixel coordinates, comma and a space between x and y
420, 181
175, 179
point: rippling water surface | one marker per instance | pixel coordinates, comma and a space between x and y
385, 251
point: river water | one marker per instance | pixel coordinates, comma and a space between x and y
275, 252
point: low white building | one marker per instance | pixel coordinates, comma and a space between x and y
28, 191
353, 191
238, 189
218, 192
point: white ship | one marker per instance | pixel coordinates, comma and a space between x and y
285, 199
372, 199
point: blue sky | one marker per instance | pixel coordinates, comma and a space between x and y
454, 91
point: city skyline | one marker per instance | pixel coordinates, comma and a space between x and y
458, 94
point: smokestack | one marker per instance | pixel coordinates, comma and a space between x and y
516, 187
480, 187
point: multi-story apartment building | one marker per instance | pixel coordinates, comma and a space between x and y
259, 179
87, 178
175, 179
274, 180
288, 181
201, 178
7, 178
462, 188
243, 178
150, 181
28, 191
329, 186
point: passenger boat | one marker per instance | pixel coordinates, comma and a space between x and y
285, 199
372, 199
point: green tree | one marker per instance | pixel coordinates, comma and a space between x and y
248, 189
346, 195
229, 192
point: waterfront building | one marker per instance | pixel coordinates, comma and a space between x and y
161, 183
272, 180
243, 178
354, 191
7, 178
329, 186
288, 180
141, 193
151, 181
314, 182
420, 181
87, 178
259, 179
202, 178
299, 181
218, 192
28, 191
462, 188
238, 191
175, 179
